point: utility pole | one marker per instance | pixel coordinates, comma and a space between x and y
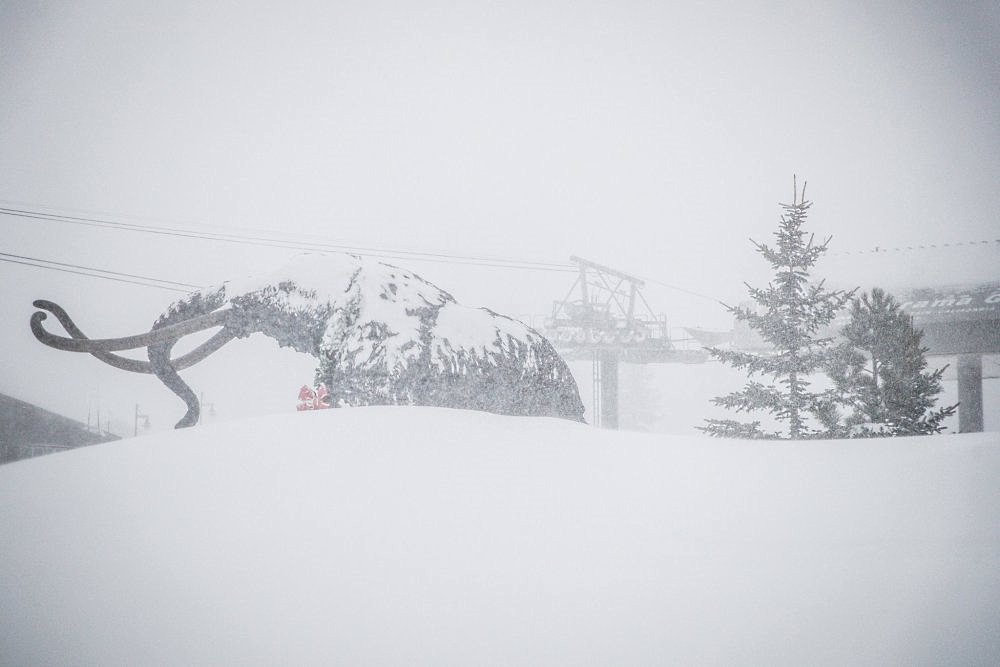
135, 424
208, 409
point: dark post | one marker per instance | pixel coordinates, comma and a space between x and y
597, 413
609, 389
135, 423
970, 393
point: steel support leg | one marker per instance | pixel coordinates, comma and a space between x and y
609, 389
970, 393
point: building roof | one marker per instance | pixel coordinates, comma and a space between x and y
899, 270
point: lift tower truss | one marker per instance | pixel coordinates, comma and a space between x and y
605, 318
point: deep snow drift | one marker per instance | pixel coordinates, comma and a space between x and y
430, 536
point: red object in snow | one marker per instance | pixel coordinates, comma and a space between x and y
322, 397
310, 399
306, 398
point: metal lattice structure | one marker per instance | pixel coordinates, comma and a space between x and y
605, 318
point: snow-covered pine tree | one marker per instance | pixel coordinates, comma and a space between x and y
790, 313
881, 372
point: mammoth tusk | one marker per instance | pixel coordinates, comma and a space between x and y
134, 365
197, 354
158, 342
124, 363
173, 331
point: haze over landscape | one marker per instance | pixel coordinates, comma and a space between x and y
149, 149
652, 139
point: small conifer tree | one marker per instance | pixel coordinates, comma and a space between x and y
790, 313
880, 372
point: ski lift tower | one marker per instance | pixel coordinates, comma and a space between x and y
605, 318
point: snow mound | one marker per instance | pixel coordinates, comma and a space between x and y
426, 536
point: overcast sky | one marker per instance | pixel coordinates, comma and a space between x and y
651, 138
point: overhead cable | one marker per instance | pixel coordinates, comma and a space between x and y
24, 211
266, 241
927, 246
91, 272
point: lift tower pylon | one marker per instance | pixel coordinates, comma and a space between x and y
606, 319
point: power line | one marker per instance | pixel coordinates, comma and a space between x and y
87, 268
118, 276
681, 289
879, 250
92, 272
264, 241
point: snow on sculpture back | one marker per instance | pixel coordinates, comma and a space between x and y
382, 336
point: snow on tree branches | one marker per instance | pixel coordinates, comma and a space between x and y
880, 372
790, 313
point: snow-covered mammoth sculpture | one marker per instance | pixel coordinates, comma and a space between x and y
382, 335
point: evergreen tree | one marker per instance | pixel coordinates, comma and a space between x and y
880, 372
791, 311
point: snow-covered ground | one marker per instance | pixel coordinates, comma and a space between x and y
423, 536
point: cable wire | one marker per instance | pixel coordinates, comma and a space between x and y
877, 250
264, 241
97, 273
87, 268
366, 251
681, 289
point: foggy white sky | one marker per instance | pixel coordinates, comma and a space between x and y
647, 137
